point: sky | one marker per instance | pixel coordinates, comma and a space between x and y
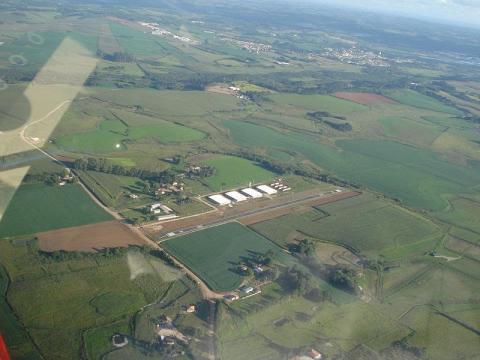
460, 12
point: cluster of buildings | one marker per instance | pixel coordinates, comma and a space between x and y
156, 30
174, 188
163, 211
238, 92
357, 56
237, 196
250, 46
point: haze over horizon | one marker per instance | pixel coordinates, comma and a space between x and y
459, 12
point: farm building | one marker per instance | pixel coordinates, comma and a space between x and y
155, 206
165, 209
156, 211
314, 354
252, 193
167, 217
220, 199
246, 289
191, 309
231, 297
258, 269
267, 189
236, 196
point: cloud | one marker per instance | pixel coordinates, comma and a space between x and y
466, 12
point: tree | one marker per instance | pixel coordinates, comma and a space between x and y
147, 188
343, 277
297, 281
306, 247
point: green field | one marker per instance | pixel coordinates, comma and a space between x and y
326, 103
415, 99
113, 189
21, 347
275, 329
98, 341
169, 104
419, 177
72, 296
36, 208
213, 253
113, 135
413, 131
369, 225
443, 338
233, 172
463, 212
139, 43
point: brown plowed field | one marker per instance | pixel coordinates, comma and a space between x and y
364, 98
93, 237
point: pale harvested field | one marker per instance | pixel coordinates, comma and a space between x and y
93, 237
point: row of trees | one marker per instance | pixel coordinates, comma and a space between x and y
116, 56
103, 165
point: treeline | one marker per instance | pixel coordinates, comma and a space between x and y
116, 56
62, 255
104, 166
343, 127
321, 117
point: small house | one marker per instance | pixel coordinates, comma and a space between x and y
191, 309
246, 289
258, 269
231, 297
314, 354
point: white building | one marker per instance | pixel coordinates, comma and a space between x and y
166, 209
155, 206
220, 199
167, 217
236, 196
252, 193
267, 189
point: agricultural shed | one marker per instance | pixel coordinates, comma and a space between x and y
220, 199
252, 193
236, 196
267, 189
